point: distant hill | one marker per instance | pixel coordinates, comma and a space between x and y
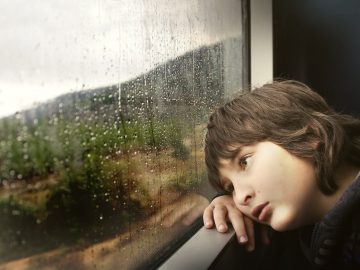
194, 79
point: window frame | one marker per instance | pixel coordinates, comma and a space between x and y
205, 247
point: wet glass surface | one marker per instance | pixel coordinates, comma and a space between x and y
103, 111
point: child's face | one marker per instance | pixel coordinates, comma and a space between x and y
272, 186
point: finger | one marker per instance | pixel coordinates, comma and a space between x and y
249, 224
237, 221
220, 213
208, 216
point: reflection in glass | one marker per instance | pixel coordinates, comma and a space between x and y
107, 172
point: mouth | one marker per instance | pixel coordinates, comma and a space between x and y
261, 211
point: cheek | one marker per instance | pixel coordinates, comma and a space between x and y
284, 179
266, 180
291, 207
283, 219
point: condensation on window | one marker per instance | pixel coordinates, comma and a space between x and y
103, 109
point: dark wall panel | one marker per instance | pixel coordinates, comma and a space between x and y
318, 42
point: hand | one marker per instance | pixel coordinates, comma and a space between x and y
222, 210
186, 210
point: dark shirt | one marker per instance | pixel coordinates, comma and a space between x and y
334, 242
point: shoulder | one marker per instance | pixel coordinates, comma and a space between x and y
335, 240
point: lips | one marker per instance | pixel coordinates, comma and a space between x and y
257, 211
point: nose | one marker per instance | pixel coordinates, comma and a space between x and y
243, 195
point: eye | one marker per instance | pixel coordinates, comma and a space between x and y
245, 161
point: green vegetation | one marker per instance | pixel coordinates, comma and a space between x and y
18, 228
67, 168
186, 182
42, 149
94, 196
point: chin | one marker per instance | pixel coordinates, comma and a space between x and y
282, 224
279, 228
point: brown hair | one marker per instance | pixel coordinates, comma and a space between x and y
291, 115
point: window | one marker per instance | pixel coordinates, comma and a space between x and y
103, 108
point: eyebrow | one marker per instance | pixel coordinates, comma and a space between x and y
236, 152
232, 155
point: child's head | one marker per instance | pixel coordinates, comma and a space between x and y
277, 149
292, 116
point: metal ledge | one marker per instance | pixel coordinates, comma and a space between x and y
200, 251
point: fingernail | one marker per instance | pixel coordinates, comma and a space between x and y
208, 224
243, 239
222, 228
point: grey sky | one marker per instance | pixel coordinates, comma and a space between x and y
49, 47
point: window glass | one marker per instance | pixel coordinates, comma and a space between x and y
103, 109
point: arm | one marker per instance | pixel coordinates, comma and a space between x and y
222, 210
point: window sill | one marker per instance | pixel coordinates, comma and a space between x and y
200, 251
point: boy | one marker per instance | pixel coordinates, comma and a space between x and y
283, 158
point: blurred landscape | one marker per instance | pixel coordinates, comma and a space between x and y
82, 168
